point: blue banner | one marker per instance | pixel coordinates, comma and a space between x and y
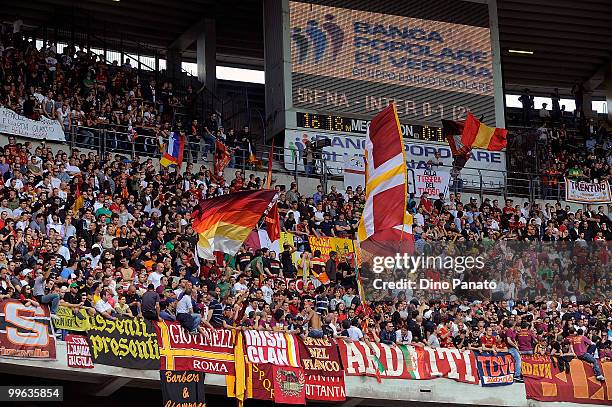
495, 369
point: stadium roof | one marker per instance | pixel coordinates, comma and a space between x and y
570, 40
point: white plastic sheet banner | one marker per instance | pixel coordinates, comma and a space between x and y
18, 125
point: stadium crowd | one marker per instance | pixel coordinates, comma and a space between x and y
107, 104
565, 144
112, 236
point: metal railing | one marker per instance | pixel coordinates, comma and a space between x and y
143, 142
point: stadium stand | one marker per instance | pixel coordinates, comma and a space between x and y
111, 234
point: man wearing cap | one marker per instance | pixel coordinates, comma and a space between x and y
71, 298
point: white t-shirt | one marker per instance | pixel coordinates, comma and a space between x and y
102, 306
296, 215
64, 252
267, 294
240, 287
55, 182
72, 169
8, 211
355, 333
155, 278
319, 217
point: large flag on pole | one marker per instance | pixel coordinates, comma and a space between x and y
174, 151
385, 170
223, 223
381, 228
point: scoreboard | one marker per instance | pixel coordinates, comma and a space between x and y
332, 65
348, 59
342, 124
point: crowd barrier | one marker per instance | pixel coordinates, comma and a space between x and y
140, 142
282, 367
144, 141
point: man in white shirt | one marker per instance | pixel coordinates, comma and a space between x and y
16, 182
319, 215
71, 168
5, 208
185, 314
268, 290
354, 333
64, 252
403, 336
492, 224
240, 285
419, 219
295, 211
103, 307
156, 275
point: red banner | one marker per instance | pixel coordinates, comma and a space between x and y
320, 357
260, 381
211, 352
325, 388
276, 348
545, 382
77, 352
289, 385
453, 364
384, 361
536, 367
26, 332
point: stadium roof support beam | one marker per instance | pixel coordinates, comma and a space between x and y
206, 55
600, 76
183, 41
608, 89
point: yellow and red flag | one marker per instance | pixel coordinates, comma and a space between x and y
463, 136
478, 135
222, 158
223, 223
79, 200
386, 184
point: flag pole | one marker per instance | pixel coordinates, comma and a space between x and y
269, 174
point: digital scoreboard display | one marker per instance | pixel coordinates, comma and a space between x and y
329, 122
433, 59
